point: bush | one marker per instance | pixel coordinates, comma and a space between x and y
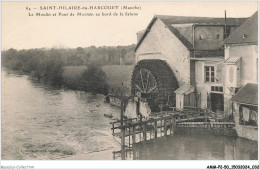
51, 72
93, 80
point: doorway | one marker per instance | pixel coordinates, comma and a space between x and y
217, 102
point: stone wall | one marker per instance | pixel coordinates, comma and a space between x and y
248, 132
206, 131
131, 107
204, 88
161, 43
208, 37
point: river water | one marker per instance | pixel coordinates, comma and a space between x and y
41, 122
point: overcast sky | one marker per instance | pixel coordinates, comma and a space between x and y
20, 31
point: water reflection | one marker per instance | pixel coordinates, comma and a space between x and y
194, 147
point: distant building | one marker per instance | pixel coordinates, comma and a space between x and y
241, 77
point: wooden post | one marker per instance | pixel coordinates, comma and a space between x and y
173, 124
122, 111
144, 131
138, 106
205, 114
155, 129
122, 130
161, 128
150, 134
134, 153
129, 133
140, 131
165, 127
114, 156
123, 143
113, 127
133, 136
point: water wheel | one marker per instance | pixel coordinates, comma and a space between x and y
155, 81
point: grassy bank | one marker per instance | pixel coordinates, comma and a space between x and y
118, 77
90, 79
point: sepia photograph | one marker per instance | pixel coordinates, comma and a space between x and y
129, 80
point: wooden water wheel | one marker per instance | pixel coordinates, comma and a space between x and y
155, 81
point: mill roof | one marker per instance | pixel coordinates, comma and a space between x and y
246, 33
171, 22
168, 20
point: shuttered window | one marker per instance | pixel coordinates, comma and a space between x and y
231, 74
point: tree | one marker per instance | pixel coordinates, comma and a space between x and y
93, 80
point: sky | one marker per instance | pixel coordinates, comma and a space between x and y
21, 31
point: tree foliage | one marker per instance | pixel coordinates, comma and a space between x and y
93, 79
47, 65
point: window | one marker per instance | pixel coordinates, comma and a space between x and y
209, 74
248, 115
244, 36
217, 89
257, 69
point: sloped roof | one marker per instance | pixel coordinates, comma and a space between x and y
170, 20
185, 89
185, 30
247, 95
233, 59
246, 33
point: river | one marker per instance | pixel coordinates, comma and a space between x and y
41, 122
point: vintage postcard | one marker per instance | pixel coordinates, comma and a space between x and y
129, 80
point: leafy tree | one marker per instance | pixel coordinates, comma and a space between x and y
93, 79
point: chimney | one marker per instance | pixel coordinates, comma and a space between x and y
237, 22
225, 29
